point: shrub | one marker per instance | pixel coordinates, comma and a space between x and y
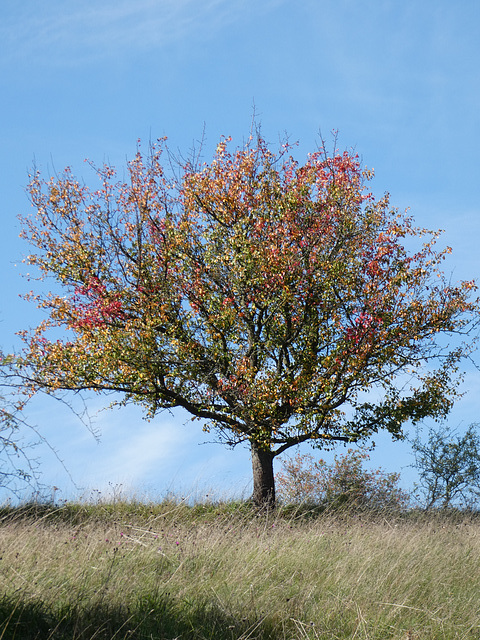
345, 482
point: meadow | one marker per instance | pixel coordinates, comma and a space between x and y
137, 571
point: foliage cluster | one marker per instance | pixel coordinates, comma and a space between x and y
344, 483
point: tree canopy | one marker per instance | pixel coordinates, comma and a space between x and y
280, 302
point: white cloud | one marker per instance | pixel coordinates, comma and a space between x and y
65, 33
133, 456
169, 453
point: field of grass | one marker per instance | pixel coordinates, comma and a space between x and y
172, 571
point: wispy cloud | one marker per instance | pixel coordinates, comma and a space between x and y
163, 455
65, 33
154, 448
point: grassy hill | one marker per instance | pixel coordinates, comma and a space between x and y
222, 572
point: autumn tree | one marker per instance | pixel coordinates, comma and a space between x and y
279, 302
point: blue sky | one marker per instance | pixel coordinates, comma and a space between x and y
400, 81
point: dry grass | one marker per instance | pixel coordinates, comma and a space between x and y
171, 571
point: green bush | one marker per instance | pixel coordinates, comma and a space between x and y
449, 468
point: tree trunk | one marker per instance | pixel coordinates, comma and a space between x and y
263, 479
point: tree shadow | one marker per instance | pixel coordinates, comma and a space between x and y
161, 618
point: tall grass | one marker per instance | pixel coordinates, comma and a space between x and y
172, 571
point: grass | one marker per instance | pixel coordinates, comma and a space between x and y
172, 571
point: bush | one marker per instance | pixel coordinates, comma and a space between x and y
449, 468
345, 482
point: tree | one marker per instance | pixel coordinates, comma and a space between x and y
345, 482
18, 470
449, 467
263, 296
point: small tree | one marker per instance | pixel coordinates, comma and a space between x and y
449, 467
263, 296
18, 471
345, 482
